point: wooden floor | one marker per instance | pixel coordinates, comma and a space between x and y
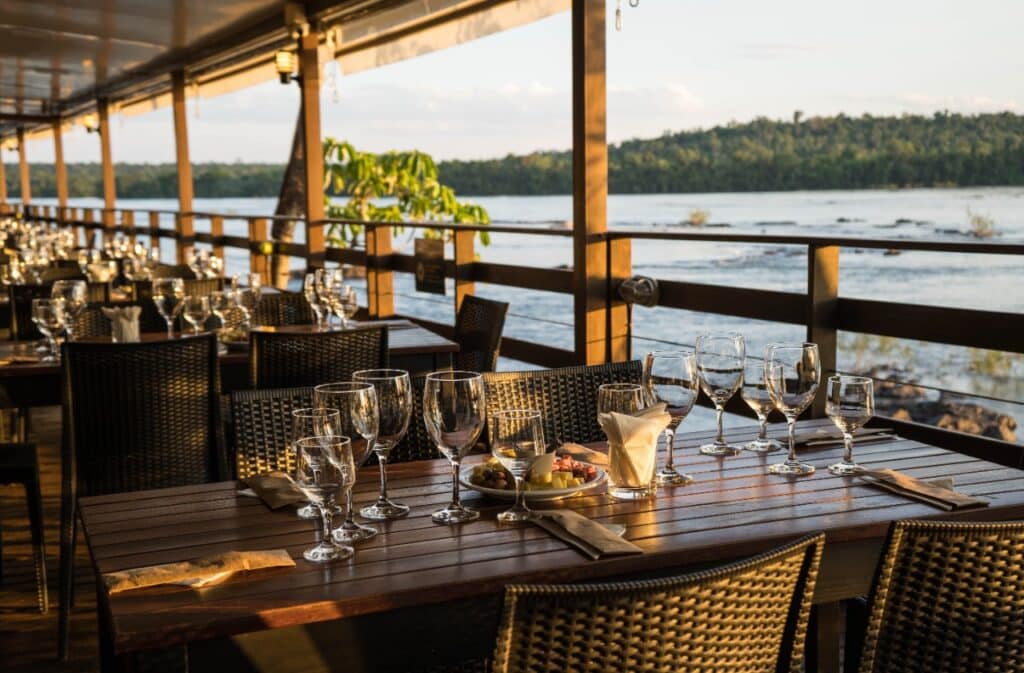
28, 639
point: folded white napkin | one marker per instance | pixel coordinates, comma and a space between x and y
633, 444
124, 323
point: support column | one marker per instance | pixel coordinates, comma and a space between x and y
380, 285
589, 182
26, 184
3, 181
465, 255
60, 169
184, 223
309, 74
822, 306
107, 162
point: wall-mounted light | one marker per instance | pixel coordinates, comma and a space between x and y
284, 62
10, 144
91, 122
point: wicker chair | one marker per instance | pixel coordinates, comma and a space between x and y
284, 308
65, 272
291, 359
417, 444
478, 332
566, 397
948, 597
19, 465
749, 617
261, 428
135, 416
173, 271
142, 291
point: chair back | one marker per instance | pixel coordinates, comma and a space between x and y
566, 397
150, 319
284, 308
261, 429
141, 415
60, 272
173, 271
478, 330
745, 617
21, 296
295, 358
948, 596
417, 444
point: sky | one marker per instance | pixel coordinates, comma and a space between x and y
676, 64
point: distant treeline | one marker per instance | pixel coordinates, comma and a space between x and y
817, 153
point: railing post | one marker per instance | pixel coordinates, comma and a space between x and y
107, 163
465, 255
185, 235
26, 180
258, 262
380, 289
620, 331
822, 306
312, 149
217, 230
154, 230
128, 224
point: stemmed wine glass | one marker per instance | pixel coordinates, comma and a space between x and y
251, 296
850, 403
720, 359
48, 315
325, 470
168, 294
394, 404
793, 374
196, 311
754, 392
454, 414
357, 404
312, 298
74, 295
313, 422
671, 377
517, 440
623, 398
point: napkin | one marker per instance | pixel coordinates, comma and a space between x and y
198, 573
633, 444
275, 489
939, 493
583, 454
124, 323
590, 537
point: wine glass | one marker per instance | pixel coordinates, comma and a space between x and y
454, 413
720, 359
357, 404
252, 297
850, 403
196, 310
517, 440
394, 404
793, 374
313, 422
754, 392
671, 377
348, 304
74, 295
248, 299
312, 298
48, 315
325, 470
623, 398
168, 294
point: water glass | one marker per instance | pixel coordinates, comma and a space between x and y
793, 375
325, 470
671, 377
454, 414
517, 440
394, 408
196, 311
356, 402
312, 298
720, 359
74, 294
850, 403
755, 393
313, 422
168, 294
623, 398
48, 315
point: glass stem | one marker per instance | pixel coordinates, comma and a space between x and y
848, 447
325, 516
170, 328
791, 423
52, 341
456, 501
670, 435
382, 459
719, 413
762, 433
350, 517
520, 493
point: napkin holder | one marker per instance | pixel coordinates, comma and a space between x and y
124, 323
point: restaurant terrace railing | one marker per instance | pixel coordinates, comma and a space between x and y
821, 308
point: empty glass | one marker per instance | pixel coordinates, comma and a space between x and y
394, 405
517, 440
74, 295
313, 422
793, 374
623, 398
454, 414
754, 392
48, 315
196, 311
671, 377
850, 403
357, 403
324, 471
168, 294
720, 359
252, 296
312, 298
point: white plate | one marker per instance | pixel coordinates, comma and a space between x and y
531, 496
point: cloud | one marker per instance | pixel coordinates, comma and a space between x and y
775, 50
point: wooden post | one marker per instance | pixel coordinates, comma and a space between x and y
26, 182
107, 161
620, 331
589, 181
312, 150
154, 229
3, 182
822, 305
380, 287
128, 224
465, 255
184, 222
217, 230
60, 170
258, 263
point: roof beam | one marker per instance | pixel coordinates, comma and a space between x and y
18, 118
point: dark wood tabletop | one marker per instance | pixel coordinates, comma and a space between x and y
732, 509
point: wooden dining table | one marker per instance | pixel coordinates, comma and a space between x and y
419, 593
37, 384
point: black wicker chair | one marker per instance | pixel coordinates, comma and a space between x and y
294, 358
566, 397
135, 416
748, 616
948, 596
19, 465
417, 444
478, 330
282, 309
261, 427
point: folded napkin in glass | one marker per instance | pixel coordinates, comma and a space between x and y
633, 445
275, 489
938, 492
198, 573
590, 537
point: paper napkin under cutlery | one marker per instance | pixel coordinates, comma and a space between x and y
275, 489
938, 492
198, 573
824, 436
590, 537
